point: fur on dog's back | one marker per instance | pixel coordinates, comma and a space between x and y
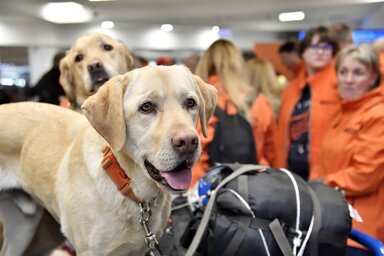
12, 133
15, 134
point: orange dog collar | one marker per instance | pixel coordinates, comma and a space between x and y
117, 174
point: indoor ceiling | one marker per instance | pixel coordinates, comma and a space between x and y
249, 15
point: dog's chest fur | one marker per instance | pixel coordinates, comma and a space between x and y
102, 201
123, 232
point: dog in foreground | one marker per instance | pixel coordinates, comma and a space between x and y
145, 119
92, 60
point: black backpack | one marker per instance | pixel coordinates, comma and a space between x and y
233, 141
181, 215
262, 211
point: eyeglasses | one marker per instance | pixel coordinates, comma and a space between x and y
321, 47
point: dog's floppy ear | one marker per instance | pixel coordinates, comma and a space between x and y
128, 59
104, 111
66, 79
208, 97
127, 55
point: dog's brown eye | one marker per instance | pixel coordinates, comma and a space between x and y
147, 107
190, 103
79, 57
108, 47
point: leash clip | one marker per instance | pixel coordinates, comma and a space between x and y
145, 212
151, 241
150, 238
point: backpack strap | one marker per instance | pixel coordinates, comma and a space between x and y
314, 239
315, 223
313, 231
297, 240
280, 238
207, 213
238, 237
242, 186
244, 222
314, 227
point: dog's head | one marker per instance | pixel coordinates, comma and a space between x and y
151, 114
91, 61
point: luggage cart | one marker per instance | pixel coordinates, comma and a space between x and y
373, 244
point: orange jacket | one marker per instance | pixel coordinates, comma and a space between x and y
352, 158
325, 103
262, 122
264, 128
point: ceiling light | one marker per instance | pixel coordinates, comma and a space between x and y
216, 29
291, 16
166, 27
107, 24
66, 12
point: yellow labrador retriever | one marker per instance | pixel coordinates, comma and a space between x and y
92, 60
147, 117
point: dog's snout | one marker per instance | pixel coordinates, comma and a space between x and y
95, 65
185, 141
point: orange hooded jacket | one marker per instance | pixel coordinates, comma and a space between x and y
352, 159
325, 103
263, 125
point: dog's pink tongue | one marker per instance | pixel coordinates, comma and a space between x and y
178, 180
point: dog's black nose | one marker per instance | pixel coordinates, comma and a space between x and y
185, 141
94, 66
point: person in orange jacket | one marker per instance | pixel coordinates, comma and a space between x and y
264, 127
266, 95
352, 152
308, 104
264, 80
222, 65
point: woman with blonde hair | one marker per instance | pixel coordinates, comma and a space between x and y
222, 65
263, 78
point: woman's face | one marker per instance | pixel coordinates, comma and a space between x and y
317, 55
354, 78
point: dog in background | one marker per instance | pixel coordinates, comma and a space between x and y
147, 117
91, 61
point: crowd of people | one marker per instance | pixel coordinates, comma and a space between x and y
326, 124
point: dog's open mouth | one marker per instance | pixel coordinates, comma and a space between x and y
177, 179
99, 77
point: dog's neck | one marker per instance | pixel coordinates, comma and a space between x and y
138, 184
123, 183
117, 174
